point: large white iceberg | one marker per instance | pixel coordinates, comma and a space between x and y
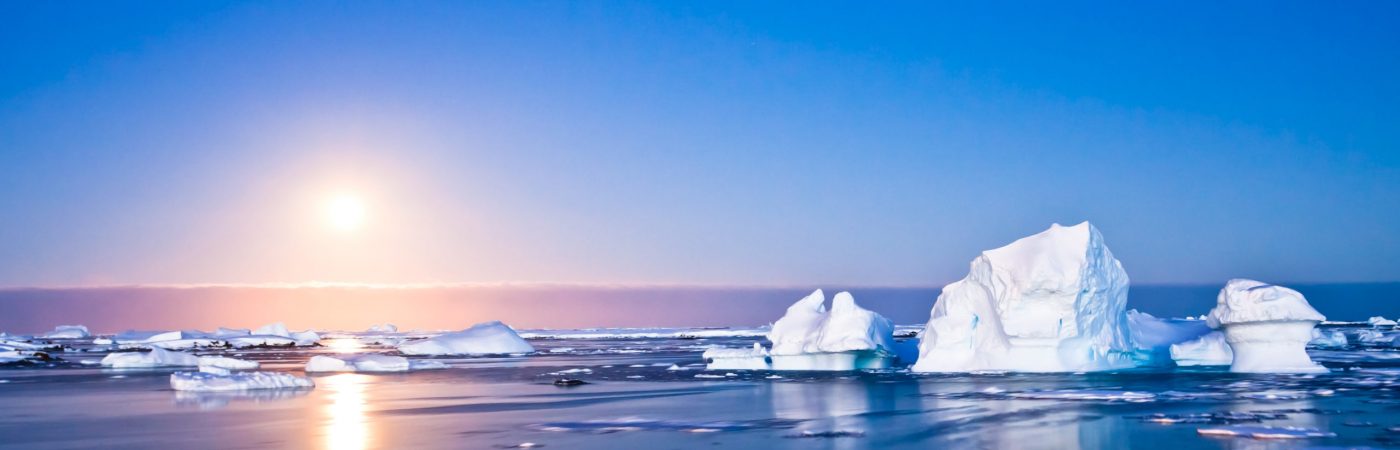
68, 332
368, 363
489, 338
809, 337
224, 382
1051, 302
1268, 327
1208, 350
1380, 321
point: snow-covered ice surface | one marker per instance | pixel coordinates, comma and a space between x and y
632, 400
488, 338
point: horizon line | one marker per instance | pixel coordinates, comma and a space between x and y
541, 284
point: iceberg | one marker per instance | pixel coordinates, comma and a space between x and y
1328, 339
1051, 302
68, 332
383, 328
222, 382
1267, 327
368, 363
1208, 350
847, 337
1379, 321
488, 338
809, 337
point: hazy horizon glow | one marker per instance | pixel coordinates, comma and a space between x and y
190, 143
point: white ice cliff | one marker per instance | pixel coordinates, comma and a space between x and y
1051, 302
1267, 327
489, 338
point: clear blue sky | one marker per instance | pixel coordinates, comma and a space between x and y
704, 142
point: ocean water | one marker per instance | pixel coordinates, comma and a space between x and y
634, 399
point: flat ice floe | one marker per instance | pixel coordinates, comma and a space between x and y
159, 357
1267, 327
1262, 432
1051, 302
368, 363
242, 381
489, 338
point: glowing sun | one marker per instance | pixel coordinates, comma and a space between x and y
345, 213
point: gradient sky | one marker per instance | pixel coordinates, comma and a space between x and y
706, 142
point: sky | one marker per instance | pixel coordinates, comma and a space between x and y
691, 143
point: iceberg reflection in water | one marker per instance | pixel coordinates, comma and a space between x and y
632, 400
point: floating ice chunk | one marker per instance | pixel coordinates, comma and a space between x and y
367, 363
157, 357
68, 332
1153, 337
306, 338
231, 332
227, 363
216, 382
809, 337
383, 328
1379, 321
1262, 432
1051, 302
22, 357
258, 340
755, 358
1328, 339
1267, 327
489, 338
274, 329
1208, 350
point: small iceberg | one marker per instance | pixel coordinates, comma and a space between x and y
1051, 302
808, 337
242, 381
1379, 322
368, 363
383, 328
1328, 339
1267, 327
1208, 350
68, 332
489, 338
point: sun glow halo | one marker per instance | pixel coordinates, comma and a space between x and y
345, 213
